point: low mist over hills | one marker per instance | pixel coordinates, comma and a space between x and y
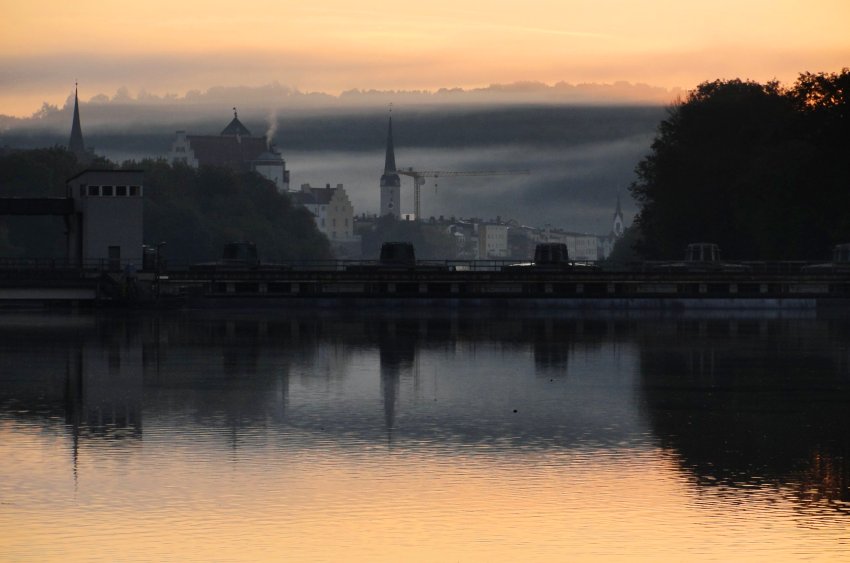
581, 155
124, 108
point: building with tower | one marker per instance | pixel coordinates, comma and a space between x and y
390, 181
233, 148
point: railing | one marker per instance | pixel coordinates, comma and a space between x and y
133, 266
65, 265
750, 266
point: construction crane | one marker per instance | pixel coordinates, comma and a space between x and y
420, 175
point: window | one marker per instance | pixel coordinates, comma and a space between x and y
135, 191
94, 190
106, 190
121, 191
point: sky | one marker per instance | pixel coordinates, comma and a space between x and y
331, 46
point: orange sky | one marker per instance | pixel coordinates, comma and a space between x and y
334, 45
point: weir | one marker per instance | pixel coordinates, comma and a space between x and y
299, 286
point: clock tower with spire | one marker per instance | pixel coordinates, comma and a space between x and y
390, 181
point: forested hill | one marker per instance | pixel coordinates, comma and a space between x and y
193, 211
761, 169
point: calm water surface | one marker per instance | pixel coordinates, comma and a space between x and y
433, 437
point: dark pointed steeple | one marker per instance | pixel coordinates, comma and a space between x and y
75, 144
389, 162
390, 178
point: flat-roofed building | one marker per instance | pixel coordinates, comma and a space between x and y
492, 241
107, 225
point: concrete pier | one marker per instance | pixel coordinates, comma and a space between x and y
289, 286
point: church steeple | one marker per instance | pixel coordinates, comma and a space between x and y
390, 182
389, 161
618, 224
75, 144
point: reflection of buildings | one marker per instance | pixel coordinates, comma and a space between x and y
103, 392
552, 342
89, 375
397, 342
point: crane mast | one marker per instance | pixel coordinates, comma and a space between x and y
420, 175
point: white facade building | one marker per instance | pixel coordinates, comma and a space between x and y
582, 247
331, 209
492, 241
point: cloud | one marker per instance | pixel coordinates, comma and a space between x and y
28, 80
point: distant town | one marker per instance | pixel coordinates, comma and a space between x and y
473, 238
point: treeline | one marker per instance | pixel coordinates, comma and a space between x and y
193, 211
761, 169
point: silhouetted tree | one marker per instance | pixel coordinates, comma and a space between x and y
625, 251
759, 169
196, 211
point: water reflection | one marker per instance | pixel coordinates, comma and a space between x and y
557, 413
753, 403
450, 379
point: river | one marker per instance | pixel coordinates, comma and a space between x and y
424, 436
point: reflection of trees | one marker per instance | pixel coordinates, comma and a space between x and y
745, 403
